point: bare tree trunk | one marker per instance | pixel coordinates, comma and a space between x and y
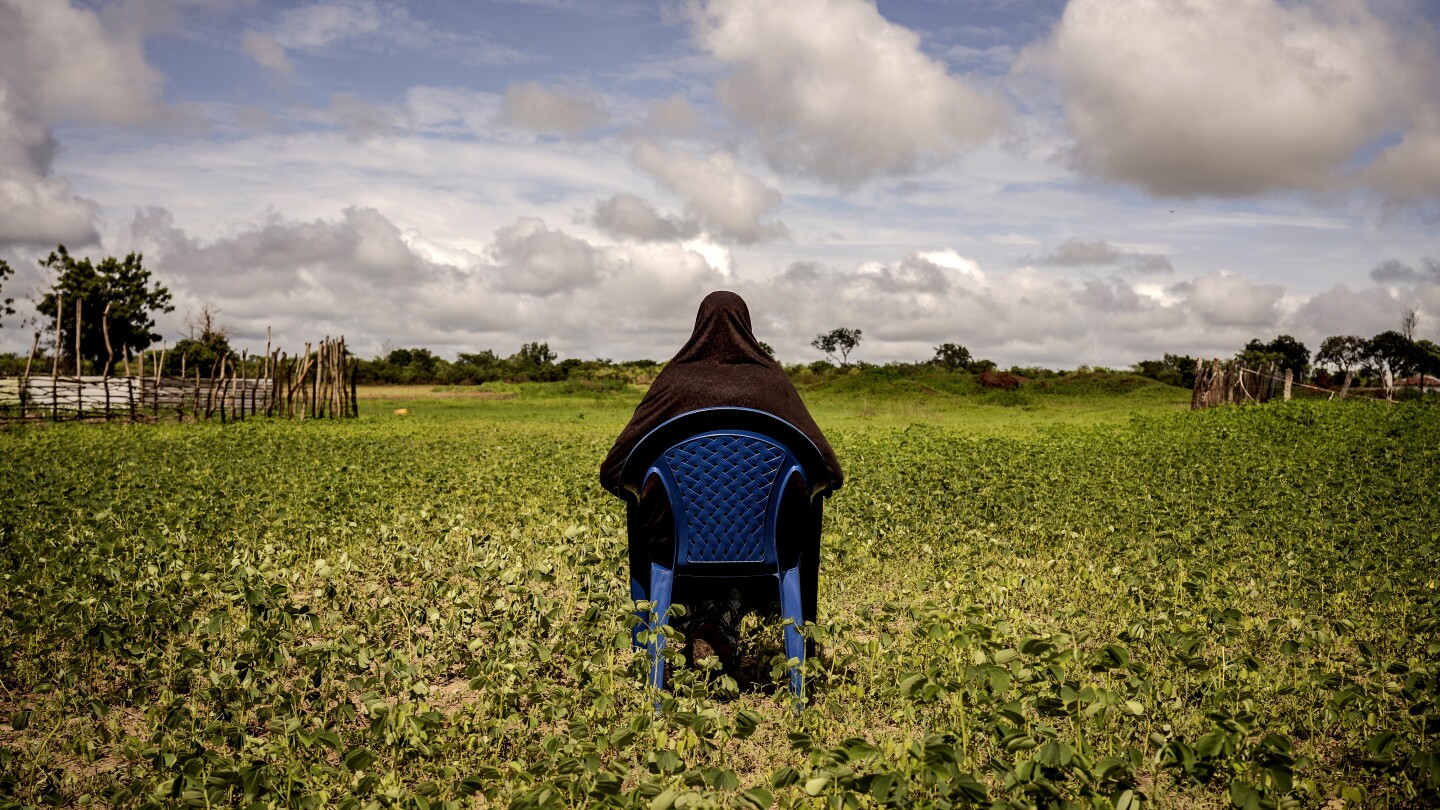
1289, 378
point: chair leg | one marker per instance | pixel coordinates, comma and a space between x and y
792, 607
662, 580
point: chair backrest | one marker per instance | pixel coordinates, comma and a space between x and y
724, 470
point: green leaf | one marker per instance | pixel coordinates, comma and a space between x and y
968, 788
746, 721
665, 800
757, 798
783, 778
358, 759
816, 785
859, 748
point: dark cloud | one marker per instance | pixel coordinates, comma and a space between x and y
628, 217
1393, 271
1079, 253
536, 107
44, 84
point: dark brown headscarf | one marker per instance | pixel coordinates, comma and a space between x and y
721, 365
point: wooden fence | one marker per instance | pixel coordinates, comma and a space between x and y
1218, 383
1221, 383
318, 384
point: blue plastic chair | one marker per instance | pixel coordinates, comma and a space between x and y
724, 471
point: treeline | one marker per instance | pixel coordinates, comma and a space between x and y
1384, 360
535, 362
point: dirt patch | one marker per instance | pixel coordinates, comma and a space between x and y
450, 696
425, 392
1000, 380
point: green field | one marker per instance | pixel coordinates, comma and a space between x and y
1073, 595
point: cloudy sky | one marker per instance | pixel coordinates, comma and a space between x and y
1045, 182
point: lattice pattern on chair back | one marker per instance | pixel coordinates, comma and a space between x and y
726, 483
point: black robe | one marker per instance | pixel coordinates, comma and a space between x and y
721, 365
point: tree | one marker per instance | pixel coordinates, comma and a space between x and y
123, 285
1341, 352
951, 356
1427, 359
1391, 351
1284, 351
536, 353
535, 362
5, 308
1174, 369
841, 340
204, 347
767, 348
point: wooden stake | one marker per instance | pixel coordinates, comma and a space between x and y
240, 389
25, 381
158, 367
109, 351
55, 361
78, 372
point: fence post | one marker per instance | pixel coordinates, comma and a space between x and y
25, 381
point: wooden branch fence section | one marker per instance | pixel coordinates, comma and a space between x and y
319, 384
1218, 383
1223, 383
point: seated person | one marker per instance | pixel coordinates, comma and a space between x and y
721, 365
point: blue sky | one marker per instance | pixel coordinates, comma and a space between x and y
1054, 183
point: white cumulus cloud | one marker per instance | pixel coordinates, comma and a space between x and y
1234, 97
534, 259
715, 191
834, 89
1227, 299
